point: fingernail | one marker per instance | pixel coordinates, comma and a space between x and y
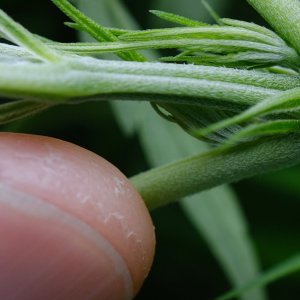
46, 253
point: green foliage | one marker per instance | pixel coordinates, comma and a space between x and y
173, 18
283, 269
283, 16
264, 129
162, 143
239, 86
19, 35
232, 43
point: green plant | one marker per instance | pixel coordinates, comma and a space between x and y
249, 109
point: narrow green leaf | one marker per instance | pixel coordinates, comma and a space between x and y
192, 8
245, 59
282, 270
253, 27
264, 129
283, 16
283, 102
177, 19
115, 31
97, 31
218, 217
13, 111
206, 32
74, 26
22, 37
212, 12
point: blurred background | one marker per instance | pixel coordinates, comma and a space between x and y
184, 267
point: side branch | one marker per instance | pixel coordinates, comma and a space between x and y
171, 182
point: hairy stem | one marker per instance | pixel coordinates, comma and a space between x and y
55, 83
171, 182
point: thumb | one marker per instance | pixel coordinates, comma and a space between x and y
71, 225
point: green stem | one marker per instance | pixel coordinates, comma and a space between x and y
61, 82
283, 16
171, 182
248, 77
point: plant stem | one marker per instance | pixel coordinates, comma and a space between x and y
283, 16
171, 182
59, 82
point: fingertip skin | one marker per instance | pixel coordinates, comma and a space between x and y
84, 186
48, 254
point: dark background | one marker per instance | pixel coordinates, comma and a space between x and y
184, 267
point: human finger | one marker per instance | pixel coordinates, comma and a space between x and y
71, 224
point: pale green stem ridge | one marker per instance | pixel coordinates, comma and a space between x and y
171, 182
283, 16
